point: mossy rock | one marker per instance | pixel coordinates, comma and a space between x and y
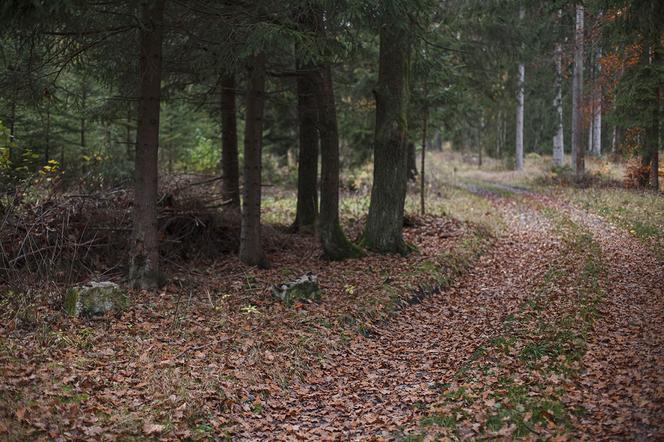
305, 288
95, 298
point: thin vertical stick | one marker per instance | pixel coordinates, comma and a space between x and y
424, 148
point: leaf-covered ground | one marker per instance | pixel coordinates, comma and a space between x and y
546, 325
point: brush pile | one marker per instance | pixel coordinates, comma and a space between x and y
70, 237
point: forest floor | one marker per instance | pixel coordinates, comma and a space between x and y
530, 310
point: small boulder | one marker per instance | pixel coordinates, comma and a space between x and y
95, 298
304, 288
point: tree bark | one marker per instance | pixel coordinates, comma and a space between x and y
519, 108
519, 118
82, 129
130, 143
479, 141
499, 132
230, 169
333, 241
47, 151
597, 105
425, 124
388, 193
558, 138
14, 157
412, 162
251, 249
652, 131
578, 148
144, 259
307, 171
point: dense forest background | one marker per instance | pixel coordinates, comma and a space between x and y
97, 96
70, 80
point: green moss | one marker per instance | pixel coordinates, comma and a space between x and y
94, 299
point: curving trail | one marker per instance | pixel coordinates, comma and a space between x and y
380, 387
623, 385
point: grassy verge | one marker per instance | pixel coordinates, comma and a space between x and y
515, 385
641, 213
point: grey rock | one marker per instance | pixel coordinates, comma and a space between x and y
304, 288
95, 298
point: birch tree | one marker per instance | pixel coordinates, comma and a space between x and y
597, 105
578, 148
519, 106
558, 138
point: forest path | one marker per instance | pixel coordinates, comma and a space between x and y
622, 386
381, 387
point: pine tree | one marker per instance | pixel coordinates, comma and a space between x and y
251, 249
384, 223
230, 172
144, 259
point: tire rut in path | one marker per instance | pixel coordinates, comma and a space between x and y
622, 388
381, 386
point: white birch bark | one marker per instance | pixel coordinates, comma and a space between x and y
558, 140
597, 106
578, 150
519, 108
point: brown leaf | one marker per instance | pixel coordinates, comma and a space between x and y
149, 428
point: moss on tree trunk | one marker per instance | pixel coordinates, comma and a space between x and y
144, 258
383, 230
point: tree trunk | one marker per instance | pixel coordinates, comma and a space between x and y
519, 118
131, 145
12, 118
47, 151
333, 241
590, 125
307, 170
230, 169
652, 131
519, 108
425, 124
388, 193
578, 148
597, 105
651, 159
412, 162
144, 259
82, 128
251, 249
558, 138
617, 136
109, 138
14, 157
499, 132
479, 141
